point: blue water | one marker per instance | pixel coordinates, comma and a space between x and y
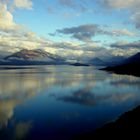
58, 102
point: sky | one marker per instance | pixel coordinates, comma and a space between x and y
76, 29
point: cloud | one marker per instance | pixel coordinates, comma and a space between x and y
136, 19
77, 51
75, 7
82, 32
119, 4
86, 32
126, 45
23, 4
6, 19
125, 48
69, 50
18, 42
74, 4
68, 3
130, 5
123, 32
13, 36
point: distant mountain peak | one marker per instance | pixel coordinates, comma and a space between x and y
97, 61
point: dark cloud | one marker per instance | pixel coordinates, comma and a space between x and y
86, 32
83, 97
82, 32
87, 97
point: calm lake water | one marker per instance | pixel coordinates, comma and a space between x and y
57, 102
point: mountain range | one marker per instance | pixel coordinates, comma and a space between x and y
41, 57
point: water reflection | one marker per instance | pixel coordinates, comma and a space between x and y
53, 99
22, 129
91, 99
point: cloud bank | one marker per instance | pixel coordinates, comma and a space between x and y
14, 36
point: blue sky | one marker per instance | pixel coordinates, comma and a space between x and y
62, 16
68, 25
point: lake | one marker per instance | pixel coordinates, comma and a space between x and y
59, 102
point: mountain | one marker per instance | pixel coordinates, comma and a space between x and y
37, 57
3, 54
133, 59
97, 62
107, 61
115, 60
31, 57
130, 66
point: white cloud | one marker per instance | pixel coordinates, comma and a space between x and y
6, 19
123, 32
122, 52
130, 5
18, 42
125, 48
13, 36
120, 4
136, 19
24, 4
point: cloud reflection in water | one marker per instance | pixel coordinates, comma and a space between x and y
65, 92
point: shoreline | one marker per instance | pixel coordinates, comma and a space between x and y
127, 69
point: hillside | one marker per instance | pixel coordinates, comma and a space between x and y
131, 66
31, 57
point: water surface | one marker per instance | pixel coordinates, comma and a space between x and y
57, 102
